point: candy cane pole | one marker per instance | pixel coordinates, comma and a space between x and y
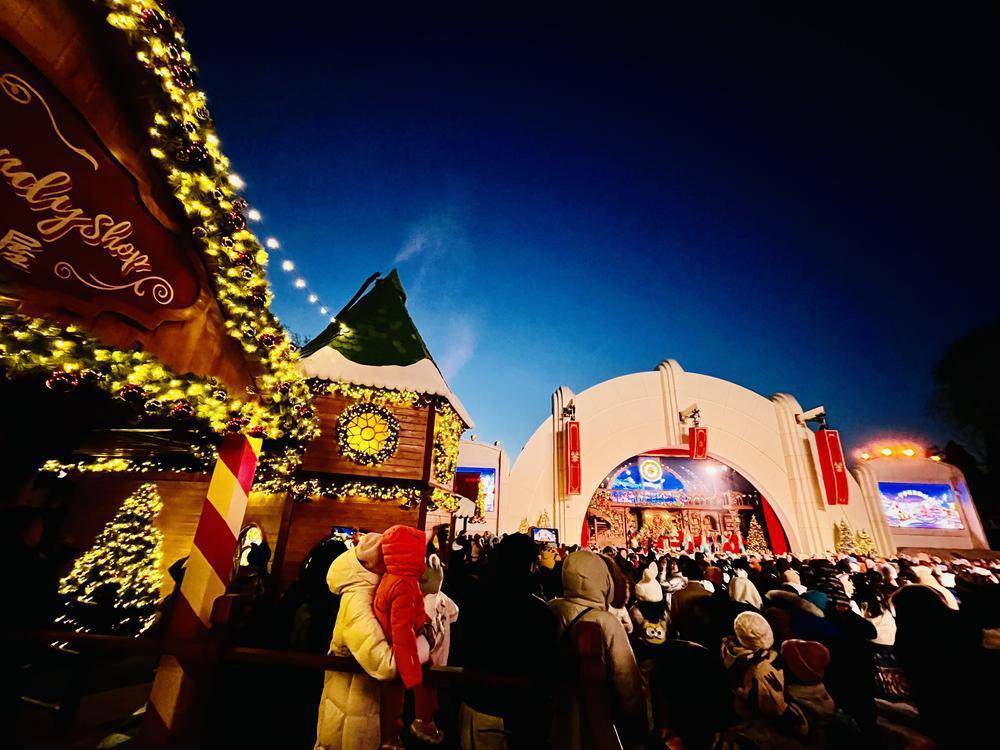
205, 579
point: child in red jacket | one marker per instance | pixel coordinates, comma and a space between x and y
399, 608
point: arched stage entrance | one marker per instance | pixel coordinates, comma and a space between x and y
665, 499
763, 440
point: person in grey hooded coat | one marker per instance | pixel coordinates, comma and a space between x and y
588, 592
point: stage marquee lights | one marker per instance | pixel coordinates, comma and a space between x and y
893, 449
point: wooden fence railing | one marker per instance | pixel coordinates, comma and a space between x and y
208, 657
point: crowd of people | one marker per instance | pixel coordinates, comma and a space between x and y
702, 650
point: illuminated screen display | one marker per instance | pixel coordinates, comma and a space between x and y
676, 481
487, 484
919, 506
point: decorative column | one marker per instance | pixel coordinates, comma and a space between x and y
206, 577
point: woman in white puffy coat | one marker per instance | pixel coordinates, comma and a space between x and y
349, 706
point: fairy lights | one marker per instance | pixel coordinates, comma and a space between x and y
114, 587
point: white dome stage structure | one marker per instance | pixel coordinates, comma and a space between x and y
767, 442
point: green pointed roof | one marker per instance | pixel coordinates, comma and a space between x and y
375, 330
374, 342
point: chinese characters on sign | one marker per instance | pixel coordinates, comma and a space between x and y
574, 470
832, 468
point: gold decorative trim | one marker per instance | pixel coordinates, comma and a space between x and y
163, 293
21, 92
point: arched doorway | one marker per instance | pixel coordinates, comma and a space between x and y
664, 499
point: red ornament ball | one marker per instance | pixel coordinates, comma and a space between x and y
181, 410
132, 394
61, 381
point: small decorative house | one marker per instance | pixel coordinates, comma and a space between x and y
390, 425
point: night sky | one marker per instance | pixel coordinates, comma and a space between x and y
794, 203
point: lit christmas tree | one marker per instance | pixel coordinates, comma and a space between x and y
114, 587
756, 542
843, 541
863, 543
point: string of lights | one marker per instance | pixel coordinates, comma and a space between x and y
288, 265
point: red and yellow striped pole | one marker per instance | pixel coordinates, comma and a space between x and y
205, 579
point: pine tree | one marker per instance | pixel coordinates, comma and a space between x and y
756, 542
114, 587
843, 538
523, 528
863, 543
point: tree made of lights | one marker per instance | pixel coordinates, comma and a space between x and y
756, 542
114, 587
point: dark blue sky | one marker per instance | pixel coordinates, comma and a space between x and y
803, 204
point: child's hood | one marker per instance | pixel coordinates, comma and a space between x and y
403, 550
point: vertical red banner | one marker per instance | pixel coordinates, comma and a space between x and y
698, 442
831, 465
571, 448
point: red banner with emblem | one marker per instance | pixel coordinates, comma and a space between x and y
832, 468
571, 447
698, 442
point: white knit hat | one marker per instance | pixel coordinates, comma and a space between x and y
649, 589
753, 631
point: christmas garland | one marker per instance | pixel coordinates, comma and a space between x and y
448, 426
69, 358
188, 148
408, 497
448, 429
346, 429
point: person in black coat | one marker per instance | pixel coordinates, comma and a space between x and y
505, 628
945, 665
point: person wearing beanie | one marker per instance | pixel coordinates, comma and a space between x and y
649, 616
805, 665
648, 589
766, 718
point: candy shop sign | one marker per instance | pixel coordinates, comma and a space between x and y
73, 228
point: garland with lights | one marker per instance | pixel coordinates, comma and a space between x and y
102, 465
188, 149
448, 429
69, 358
380, 396
361, 418
340, 489
114, 587
448, 426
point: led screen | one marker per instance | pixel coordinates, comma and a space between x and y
919, 506
652, 480
487, 484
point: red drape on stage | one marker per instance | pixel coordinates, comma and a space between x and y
779, 542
